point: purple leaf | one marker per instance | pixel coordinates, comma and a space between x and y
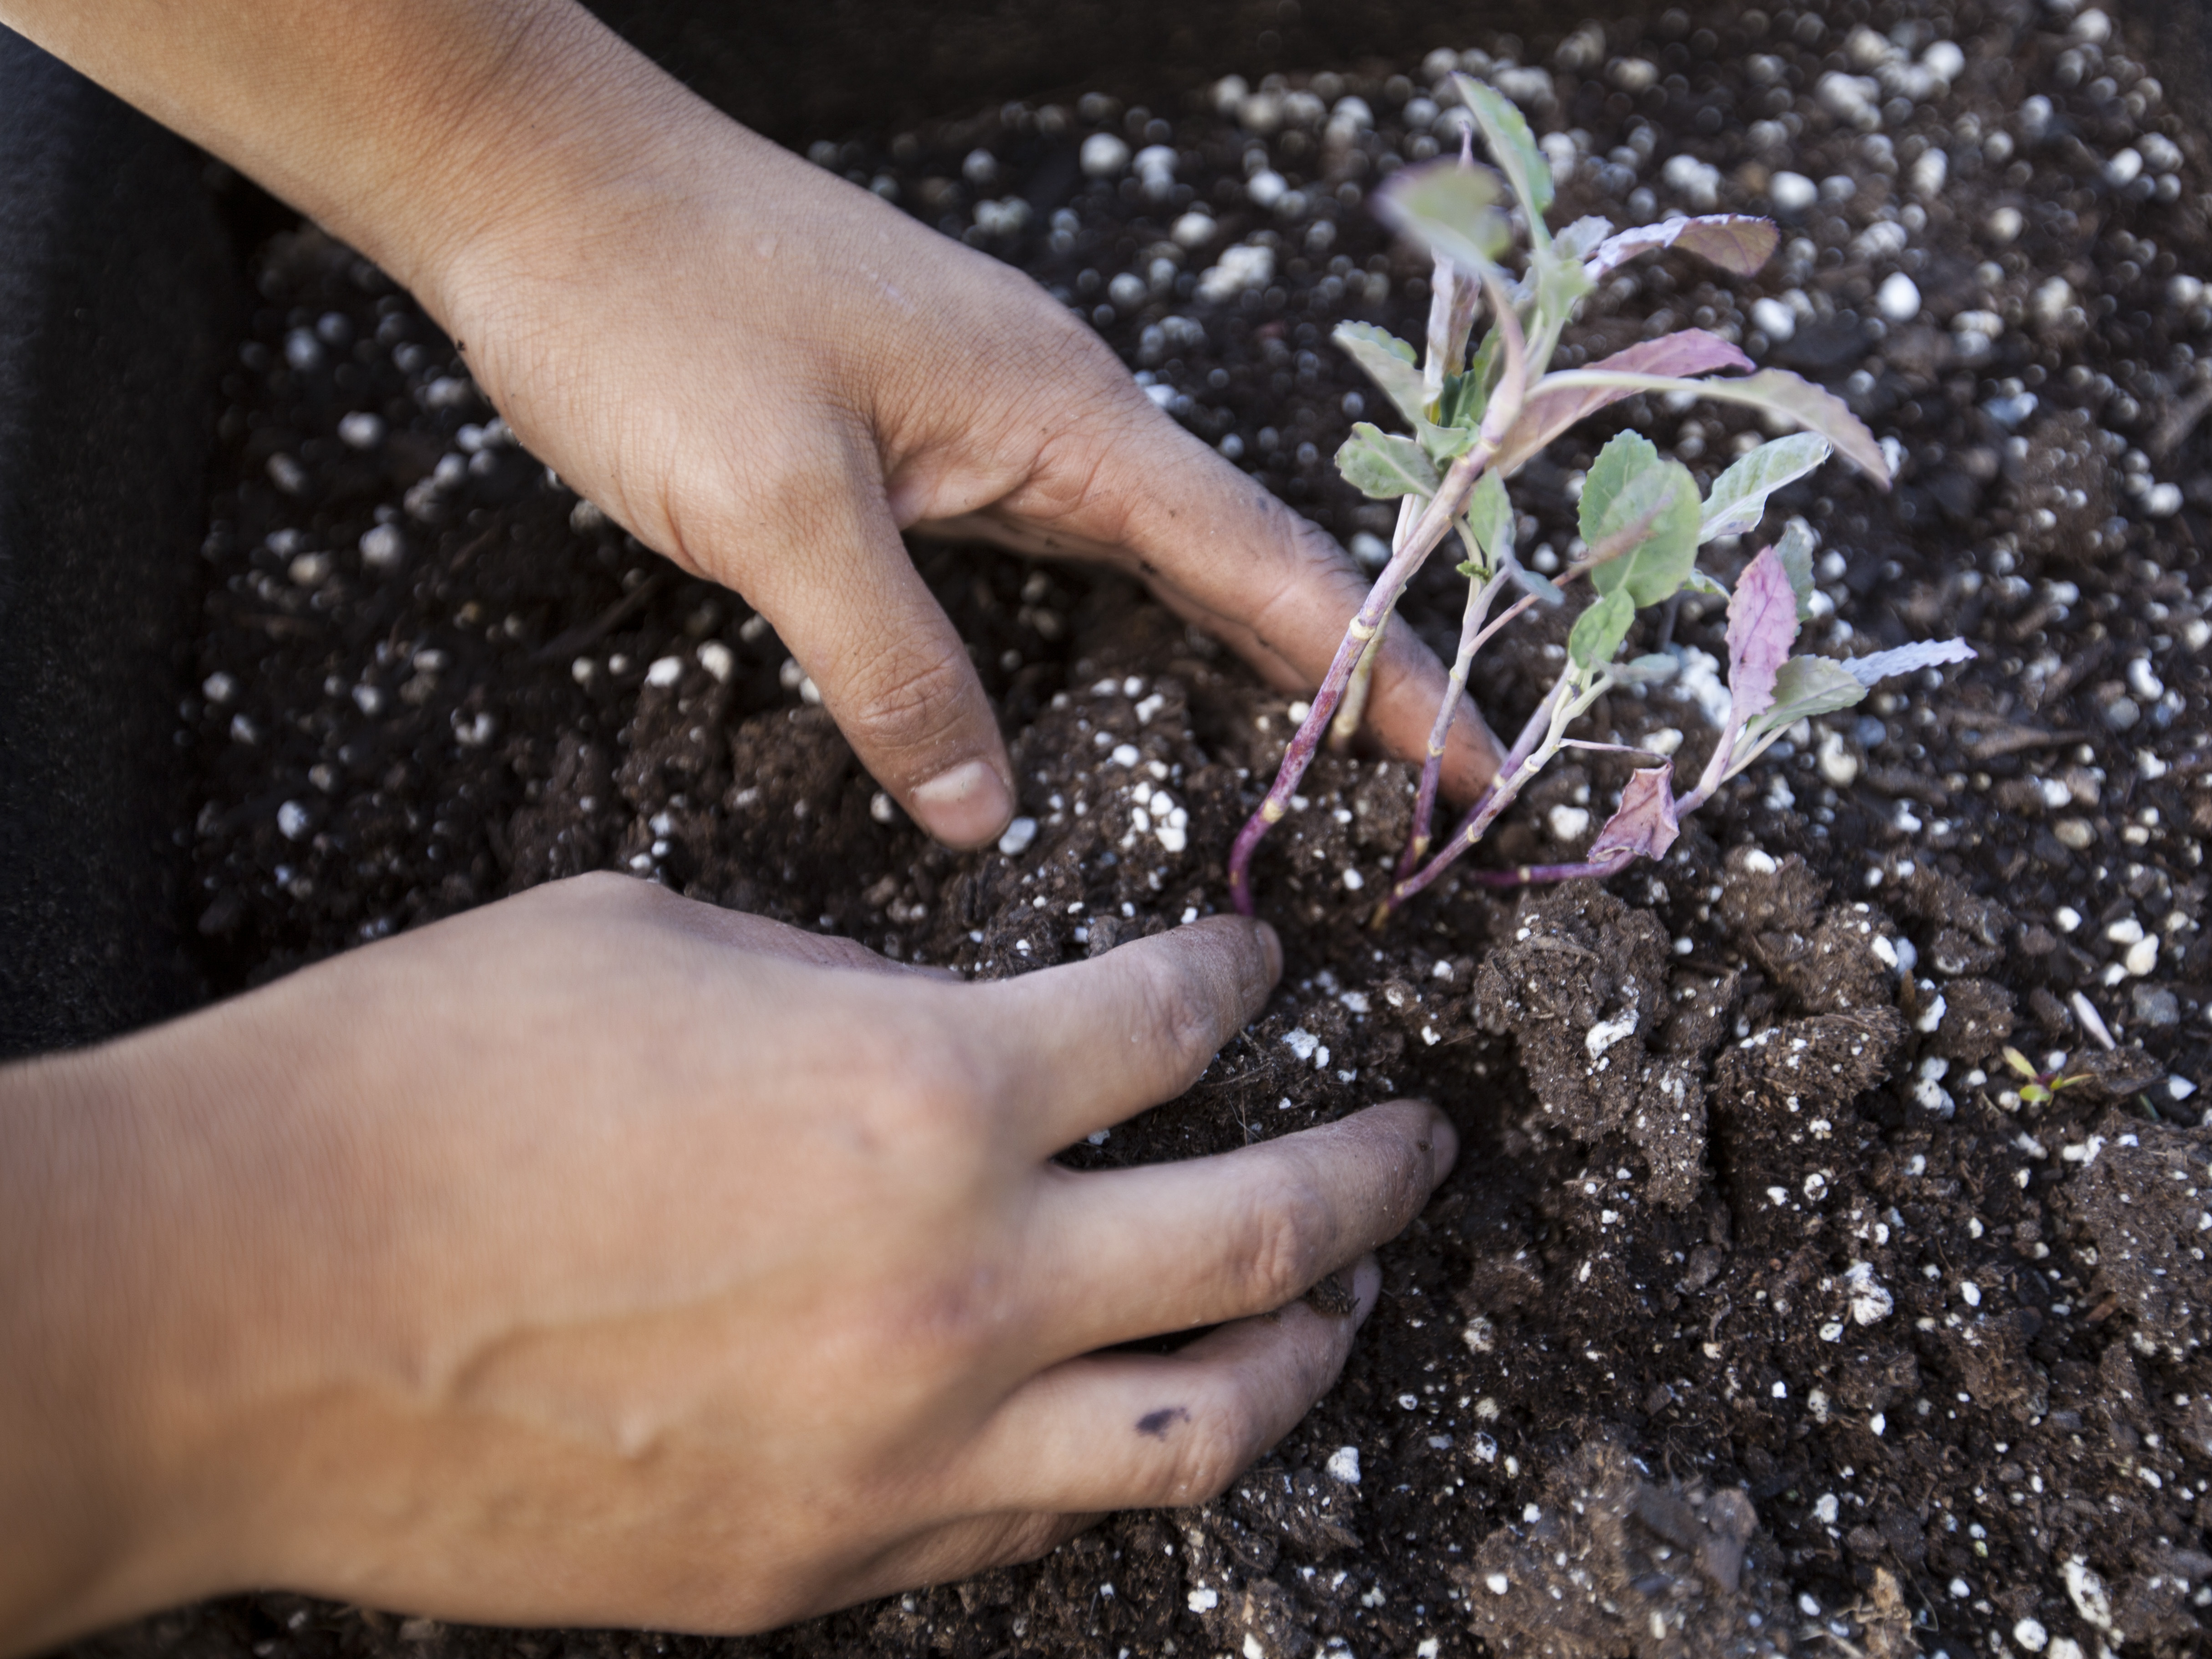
1920, 653
1762, 626
1736, 242
1645, 826
1548, 414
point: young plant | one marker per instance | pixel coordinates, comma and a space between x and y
2040, 1085
1476, 419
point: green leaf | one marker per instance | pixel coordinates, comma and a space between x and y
1648, 670
1487, 362
1599, 630
1625, 456
1738, 499
1380, 465
1463, 400
1698, 582
1794, 551
1390, 362
1453, 208
1627, 485
1542, 587
1559, 283
1804, 687
1579, 239
1445, 444
1513, 147
1490, 520
1780, 392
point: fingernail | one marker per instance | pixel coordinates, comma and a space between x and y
965, 807
1366, 1287
1270, 942
1443, 1148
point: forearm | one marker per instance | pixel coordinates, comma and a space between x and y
78, 1450
410, 128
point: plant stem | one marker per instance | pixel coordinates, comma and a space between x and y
1473, 635
1452, 298
1531, 875
1428, 530
1436, 518
1558, 711
1353, 709
1718, 769
1453, 295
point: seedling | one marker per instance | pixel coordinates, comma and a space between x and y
1476, 419
2040, 1085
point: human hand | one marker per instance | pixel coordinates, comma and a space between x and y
768, 375
762, 371
602, 1257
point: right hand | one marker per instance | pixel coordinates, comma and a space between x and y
601, 1257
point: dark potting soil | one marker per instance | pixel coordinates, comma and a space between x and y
1762, 1314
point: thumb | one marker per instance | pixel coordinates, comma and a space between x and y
892, 672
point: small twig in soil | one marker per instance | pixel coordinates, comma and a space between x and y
2017, 739
469, 549
590, 633
2073, 673
2169, 434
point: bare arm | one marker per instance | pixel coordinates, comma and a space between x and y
762, 371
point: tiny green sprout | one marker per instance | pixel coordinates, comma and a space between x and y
1477, 410
2040, 1085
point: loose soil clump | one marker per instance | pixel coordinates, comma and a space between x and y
1764, 1314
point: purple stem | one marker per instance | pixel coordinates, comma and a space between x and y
1428, 531
1716, 769
1504, 788
1530, 875
1473, 637
1446, 505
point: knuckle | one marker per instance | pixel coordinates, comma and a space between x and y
1176, 1016
910, 702
1068, 486
1222, 1439
1286, 1230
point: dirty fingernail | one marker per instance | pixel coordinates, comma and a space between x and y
963, 806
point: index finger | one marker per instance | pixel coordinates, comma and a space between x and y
1082, 1047
1126, 485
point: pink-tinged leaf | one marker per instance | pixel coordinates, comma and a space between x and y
1762, 627
1815, 410
1546, 414
1645, 826
1920, 653
1737, 242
